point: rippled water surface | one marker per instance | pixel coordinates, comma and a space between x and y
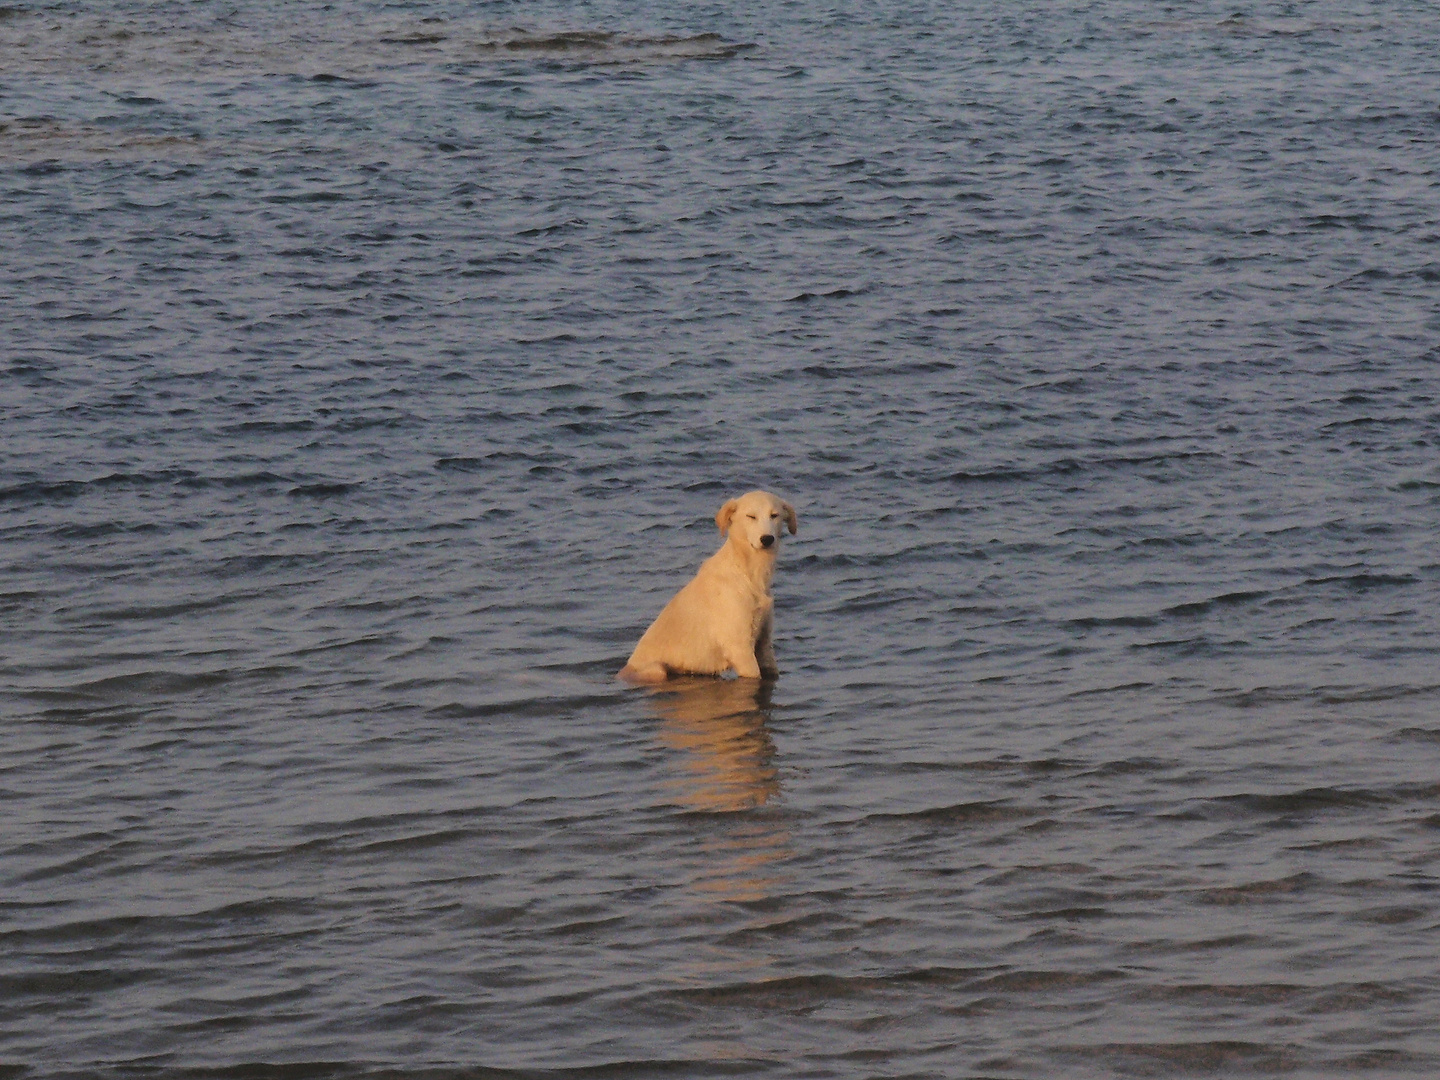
372, 374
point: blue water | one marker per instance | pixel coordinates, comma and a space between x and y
371, 377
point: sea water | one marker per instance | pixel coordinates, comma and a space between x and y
372, 374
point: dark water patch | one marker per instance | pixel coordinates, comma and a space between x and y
819, 922
418, 842
309, 197
1138, 766
141, 685
1197, 646
1040, 982
977, 813
322, 490
268, 427
79, 982
1364, 582
1096, 622
259, 479
1205, 607
1258, 892
1342, 695
363, 642
41, 491
123, 928
1227, 941
550, 707
562, 42
895, 368
1123, 688
801, 992
1395, 915
1262, 696
1293, 995
1214, 1057
1068, 468
413, 39
461, 464
104, 857
1305, 802
833, 294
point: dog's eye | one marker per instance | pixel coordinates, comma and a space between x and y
751, 517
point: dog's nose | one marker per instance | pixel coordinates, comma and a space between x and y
766, 540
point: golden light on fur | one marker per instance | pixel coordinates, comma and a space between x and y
723, 619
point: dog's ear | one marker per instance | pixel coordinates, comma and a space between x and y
790, 518
727, 514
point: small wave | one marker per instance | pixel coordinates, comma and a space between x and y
418, 842
1306, 801
797, 991
1364, 582
529, 707
1393, 914
969, 813
268, 427
44, 145
141, 684
1031, 982
833, 294
365, 641
76, 981
1254, 892
561, 42
1204, 607
462, 464
37, 491
128, 927
883, 369
608, 46
1070, 466
940, 551
323, 490
1095, 622
1326, 695
1217, 1057
1330, 695
305, 197
413, 39
1200, 645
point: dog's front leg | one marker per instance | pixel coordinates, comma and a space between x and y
745, 665
765, 650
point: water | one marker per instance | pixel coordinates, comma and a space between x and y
372, 374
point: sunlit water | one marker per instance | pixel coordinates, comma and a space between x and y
372, 375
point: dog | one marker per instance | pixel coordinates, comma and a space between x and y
724, 618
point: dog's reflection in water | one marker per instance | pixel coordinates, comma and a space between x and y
727, 764
720, 725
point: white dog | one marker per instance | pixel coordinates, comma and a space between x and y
724, 617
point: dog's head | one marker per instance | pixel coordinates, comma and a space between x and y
757, 520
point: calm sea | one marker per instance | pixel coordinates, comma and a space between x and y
370, 374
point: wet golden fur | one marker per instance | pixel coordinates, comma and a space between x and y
724, 618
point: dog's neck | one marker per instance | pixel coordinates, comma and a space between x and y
757, 565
